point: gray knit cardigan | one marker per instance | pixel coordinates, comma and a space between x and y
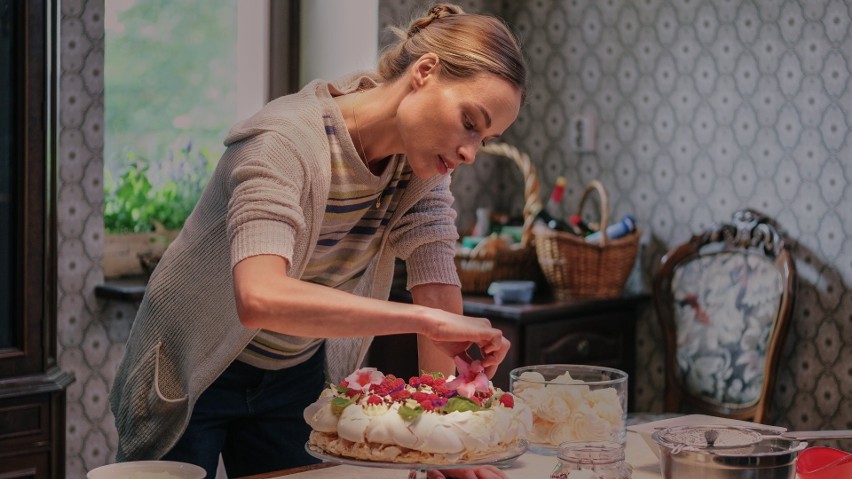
267, 196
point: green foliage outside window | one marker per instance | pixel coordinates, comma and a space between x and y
133, 204
169, 100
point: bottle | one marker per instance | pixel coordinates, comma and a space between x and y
554, 223
483, 222
554, 203
596, 459
581, 225
624, 227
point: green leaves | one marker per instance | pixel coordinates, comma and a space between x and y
410, 413
460, 404
338, 404
132, 203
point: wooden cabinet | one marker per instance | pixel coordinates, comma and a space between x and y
548, 331
32, 388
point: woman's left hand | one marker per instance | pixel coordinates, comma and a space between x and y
481, 472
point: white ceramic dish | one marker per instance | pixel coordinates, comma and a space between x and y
148, 470
647, 429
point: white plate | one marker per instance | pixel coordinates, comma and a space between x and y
148, 470
647, 429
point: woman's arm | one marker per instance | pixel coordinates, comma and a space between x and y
269, 299
441, 296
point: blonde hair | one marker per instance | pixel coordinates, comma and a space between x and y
466, 44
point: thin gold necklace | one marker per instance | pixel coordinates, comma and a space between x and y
361, 142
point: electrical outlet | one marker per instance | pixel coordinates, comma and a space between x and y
582, 132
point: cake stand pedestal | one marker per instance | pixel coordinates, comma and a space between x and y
420, 471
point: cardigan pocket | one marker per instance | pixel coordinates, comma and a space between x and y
149, 422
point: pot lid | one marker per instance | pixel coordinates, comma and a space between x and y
709, 437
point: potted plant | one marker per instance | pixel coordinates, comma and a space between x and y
142, 217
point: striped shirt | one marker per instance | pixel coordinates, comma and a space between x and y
360, 204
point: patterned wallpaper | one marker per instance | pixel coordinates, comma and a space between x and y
91, 333
703, 108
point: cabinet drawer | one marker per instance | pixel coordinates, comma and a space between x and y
25, 466
601, 341
24, 422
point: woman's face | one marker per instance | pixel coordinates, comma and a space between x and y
443, 122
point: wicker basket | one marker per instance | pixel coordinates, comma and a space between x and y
477, 268
577, 269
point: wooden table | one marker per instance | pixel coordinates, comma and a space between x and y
529, 466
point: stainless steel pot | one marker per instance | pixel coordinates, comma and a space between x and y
714, 452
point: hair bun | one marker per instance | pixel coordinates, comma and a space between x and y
440, 10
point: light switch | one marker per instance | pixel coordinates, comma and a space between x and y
582, 133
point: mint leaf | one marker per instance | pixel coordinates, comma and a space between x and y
460, 404
410, 413
338, 404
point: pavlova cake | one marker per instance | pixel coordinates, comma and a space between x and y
429, 419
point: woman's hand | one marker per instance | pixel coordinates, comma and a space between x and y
451, 334
482, 472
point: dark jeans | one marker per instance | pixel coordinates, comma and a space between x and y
254, 418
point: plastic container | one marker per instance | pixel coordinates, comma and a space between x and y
504, 292
820, 462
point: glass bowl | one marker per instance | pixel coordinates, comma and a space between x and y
572, 402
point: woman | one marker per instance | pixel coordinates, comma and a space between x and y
279, 278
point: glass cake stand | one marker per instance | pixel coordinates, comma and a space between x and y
418, 471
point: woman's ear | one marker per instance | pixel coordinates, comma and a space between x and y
425, 68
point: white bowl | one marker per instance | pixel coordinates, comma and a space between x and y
148, 470
590, 406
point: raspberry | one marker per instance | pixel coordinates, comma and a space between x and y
401, 395
427, 405
507, 400
352, 393
420, 396
374, 400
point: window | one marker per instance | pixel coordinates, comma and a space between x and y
177, 77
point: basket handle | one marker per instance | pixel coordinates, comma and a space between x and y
596, 185
531, 184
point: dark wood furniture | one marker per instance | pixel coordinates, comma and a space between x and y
716, 305
547, 331
32, 387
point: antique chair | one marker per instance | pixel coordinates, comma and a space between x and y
724, 300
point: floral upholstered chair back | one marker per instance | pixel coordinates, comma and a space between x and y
723, 300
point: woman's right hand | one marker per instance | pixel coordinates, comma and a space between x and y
452, 333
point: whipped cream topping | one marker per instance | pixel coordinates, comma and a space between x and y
493, 424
